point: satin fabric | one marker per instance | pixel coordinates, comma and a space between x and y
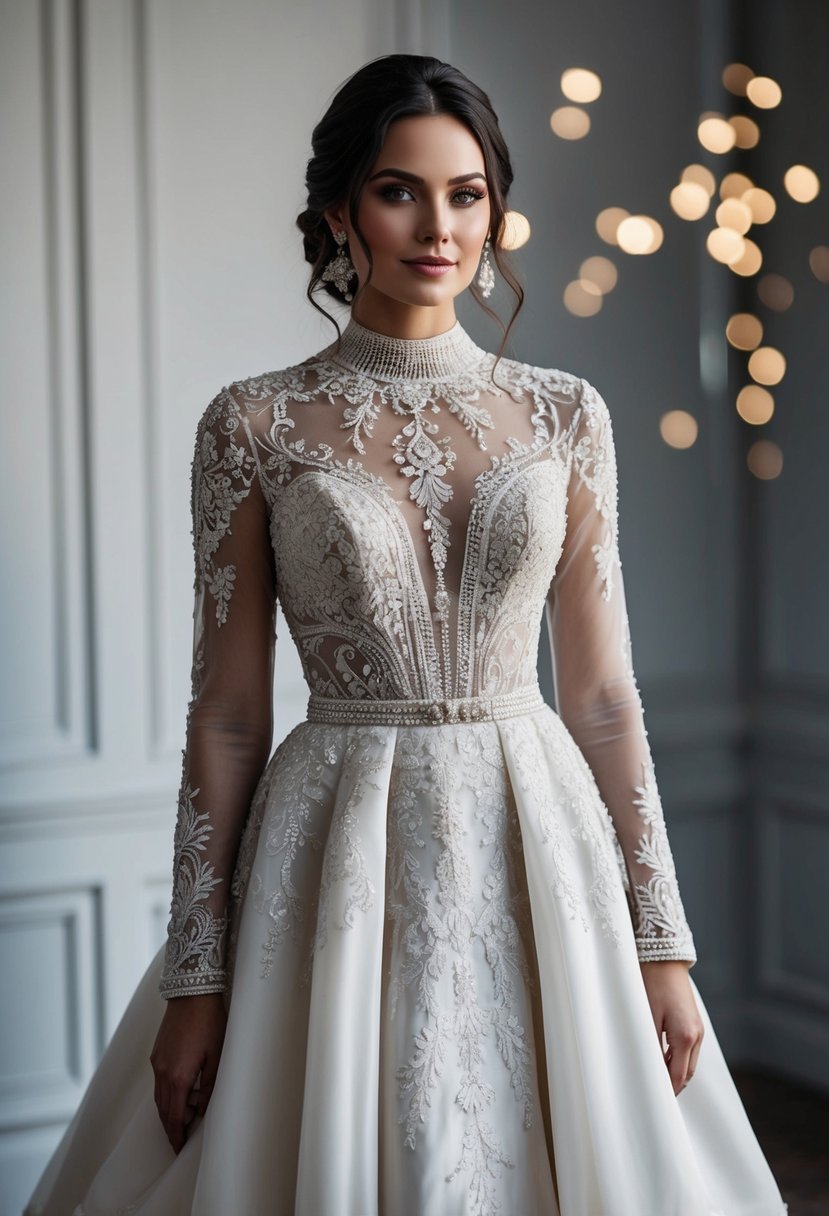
310, 1111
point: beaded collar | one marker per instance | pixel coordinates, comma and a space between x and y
385, 357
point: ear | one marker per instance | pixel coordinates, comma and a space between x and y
333, 216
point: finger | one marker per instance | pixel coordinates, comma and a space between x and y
678, 1064
694, 1058
207, 1082
176, 1122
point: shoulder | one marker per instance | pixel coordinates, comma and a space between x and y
578, 403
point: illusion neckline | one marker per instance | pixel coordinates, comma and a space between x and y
385, 357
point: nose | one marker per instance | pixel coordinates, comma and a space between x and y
434, 224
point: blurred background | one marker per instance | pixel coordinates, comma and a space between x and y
670, 224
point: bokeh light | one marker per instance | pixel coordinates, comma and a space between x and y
767, 365
601, 272
801, 183
581, 85
749, 261
760, 203
746, 131
776, 292
690, 200
702, 175
755, 404
765, 460
640, 234
744, 331
678, 428
582, 298
819, 263
570, 122
716, 134
515, 231
764, 92
735, 77
608, 221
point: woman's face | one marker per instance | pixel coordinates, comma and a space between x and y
426, 196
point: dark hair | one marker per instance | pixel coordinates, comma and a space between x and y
348, 138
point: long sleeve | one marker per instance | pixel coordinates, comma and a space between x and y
229, 727
596, 692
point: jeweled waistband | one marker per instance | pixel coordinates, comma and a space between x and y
426, 712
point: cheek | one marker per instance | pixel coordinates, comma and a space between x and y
384, 229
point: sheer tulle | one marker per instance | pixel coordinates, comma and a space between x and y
427, 922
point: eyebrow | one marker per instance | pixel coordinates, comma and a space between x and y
418, 181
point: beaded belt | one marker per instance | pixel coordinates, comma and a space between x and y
424, 713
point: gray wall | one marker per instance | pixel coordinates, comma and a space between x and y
727, 577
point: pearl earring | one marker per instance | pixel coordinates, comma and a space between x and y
340, 269
486, 275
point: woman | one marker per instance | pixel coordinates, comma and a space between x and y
422, 960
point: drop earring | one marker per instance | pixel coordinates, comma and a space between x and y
340, 268
486, 275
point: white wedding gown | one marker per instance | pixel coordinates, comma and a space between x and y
427, 909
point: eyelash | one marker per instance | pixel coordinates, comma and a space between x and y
387, 191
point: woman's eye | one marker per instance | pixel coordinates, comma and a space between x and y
388, 191
472, 196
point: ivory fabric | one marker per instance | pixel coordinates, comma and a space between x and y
428, 907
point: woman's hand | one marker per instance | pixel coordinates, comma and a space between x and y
188, 1043
675, 1011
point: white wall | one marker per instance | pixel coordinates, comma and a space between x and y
153, 159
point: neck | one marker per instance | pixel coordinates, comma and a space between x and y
379, 312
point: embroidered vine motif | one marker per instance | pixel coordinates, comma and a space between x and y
594, 460
438, 919
661, 926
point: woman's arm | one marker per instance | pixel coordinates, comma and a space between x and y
597, 696
598, 700
230, 720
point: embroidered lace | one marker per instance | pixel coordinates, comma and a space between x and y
418, 512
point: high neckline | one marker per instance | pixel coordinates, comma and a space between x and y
389, 358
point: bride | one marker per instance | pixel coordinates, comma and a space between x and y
430, 956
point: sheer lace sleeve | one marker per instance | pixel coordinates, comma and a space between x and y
229, 727
596, 692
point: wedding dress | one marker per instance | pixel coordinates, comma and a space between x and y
428, 908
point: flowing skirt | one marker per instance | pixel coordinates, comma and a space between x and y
436, 1009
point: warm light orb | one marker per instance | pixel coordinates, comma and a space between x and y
802, 183
569, 122
608, 221
749, 261
640, 234
716, 135
767, 365
601, 272
764, 92
755, 404
765, 460
735, 77
744, 331
678, 429
690, 200
725, 245
702, 176
582, 298
734, 185
580, 84
775, 291
760, 203
734, 214
515, 231
746, 131
819, 263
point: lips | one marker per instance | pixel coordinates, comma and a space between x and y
428, 262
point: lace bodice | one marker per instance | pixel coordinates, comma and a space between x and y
419, 512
